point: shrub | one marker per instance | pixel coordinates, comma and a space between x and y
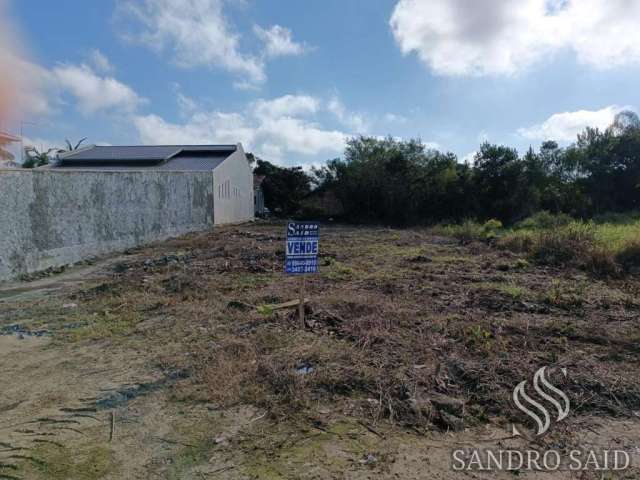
490, 228
600, 261
617, 218
467, 232
629, 256
568, 245
518, 242
544, 220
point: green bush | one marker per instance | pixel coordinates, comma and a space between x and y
601, 262
518, 242
569, 245
490, 228
629, 256
617, 218
544, 220
468, 231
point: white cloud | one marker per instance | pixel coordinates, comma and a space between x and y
38, 90
354, 121
36, 94
278, 41
299, 136
274, 128
187, 105
470, 158
564, 127
196, 31
459, 37
94, 92
394, 118
201, 128
100, 61
286, 105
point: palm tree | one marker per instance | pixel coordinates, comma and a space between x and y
70, 147
35, 158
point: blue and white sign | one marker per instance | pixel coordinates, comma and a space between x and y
302, 248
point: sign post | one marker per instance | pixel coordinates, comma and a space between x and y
302, 254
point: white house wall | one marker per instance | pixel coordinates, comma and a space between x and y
233, 190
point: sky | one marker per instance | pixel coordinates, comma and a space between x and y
292, 80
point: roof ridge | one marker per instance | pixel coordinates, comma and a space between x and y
168, 145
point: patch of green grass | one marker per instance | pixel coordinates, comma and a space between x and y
479, 338
599, 247
251, 281
340, 272
469, 230
565, 295
266, 310
451, 259
189, 457
88, 462
103, 324
318, 449
509, 289
617, 237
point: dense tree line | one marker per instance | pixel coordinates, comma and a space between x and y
403, 182
283, 188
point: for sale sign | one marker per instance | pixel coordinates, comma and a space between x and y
302, 248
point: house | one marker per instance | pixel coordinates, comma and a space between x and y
258, 195
231, 173
6, 157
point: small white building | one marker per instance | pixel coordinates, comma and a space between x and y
232, 176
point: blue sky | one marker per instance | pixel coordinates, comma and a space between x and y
292, 79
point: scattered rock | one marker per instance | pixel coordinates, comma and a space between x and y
304, 368
369, 459
70, 305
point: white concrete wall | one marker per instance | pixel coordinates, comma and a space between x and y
233, 190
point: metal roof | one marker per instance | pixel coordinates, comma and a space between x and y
157, 157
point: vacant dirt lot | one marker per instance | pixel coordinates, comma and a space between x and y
170, 361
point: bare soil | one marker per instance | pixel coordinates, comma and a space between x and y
170, 362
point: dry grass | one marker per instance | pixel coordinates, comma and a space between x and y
393, 322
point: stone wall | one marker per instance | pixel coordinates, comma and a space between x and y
50, 218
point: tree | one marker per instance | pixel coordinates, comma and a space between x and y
35, 158
500, 182
625, 121
283, 188
70, 146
